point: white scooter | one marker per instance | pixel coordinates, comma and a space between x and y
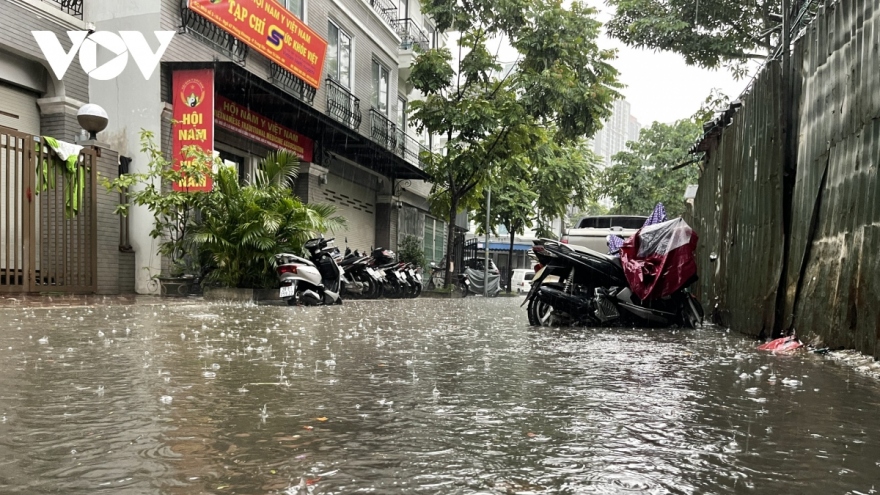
310, 282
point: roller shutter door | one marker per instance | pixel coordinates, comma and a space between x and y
18, 110
357, 204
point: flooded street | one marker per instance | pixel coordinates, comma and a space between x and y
415, 396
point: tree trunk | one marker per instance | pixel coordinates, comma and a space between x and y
510, 262
450, 242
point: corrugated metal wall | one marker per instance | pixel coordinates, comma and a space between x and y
738, 212
832, 286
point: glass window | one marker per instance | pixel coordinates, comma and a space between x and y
297, 7
380, 88
401, 113
339, 55
434, 240
428, 241
439, 238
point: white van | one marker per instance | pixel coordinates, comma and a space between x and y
521, 280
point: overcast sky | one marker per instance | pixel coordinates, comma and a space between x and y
659, 86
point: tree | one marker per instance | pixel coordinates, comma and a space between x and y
410, 250
715, 102
707, 33
537, 187
561, 79
645, 174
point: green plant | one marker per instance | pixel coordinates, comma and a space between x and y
242, 227
411, 251
173, 211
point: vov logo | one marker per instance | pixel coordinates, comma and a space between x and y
86, 43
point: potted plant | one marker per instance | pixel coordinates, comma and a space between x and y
174, 211
241, 227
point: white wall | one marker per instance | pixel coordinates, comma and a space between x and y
132, 104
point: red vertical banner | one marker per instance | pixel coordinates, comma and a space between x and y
193, 121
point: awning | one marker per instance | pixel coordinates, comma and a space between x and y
503, 246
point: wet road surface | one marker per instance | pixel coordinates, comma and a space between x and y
415, 396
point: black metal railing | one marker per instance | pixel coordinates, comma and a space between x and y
342, 105
409, 149
212, 35
294, 86
72, 7
411, 34
386, 10
382, 130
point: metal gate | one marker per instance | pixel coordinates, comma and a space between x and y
48, 218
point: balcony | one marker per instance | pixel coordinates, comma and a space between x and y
385, 9
342, 105
409, 149
411, 34
382, 130
291, 84
212, 35
72, 7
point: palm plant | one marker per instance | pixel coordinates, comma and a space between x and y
243, 227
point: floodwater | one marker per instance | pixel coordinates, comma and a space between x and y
424, 396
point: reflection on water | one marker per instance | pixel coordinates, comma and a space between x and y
425, 396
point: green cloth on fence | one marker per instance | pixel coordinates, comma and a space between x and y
66, 157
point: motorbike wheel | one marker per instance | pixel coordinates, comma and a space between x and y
291, 301
418, 291
463, 288
540, 313
688, 315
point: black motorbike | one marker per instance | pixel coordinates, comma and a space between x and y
579, 286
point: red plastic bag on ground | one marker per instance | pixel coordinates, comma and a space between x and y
782, 344
659, 258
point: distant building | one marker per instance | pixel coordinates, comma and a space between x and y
620, 128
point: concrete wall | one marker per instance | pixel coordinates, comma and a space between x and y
108, 224
133, 104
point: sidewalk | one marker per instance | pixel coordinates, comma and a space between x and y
53, 300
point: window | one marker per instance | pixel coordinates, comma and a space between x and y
339, 55
380, 88
296, 7
435, 235
401, 114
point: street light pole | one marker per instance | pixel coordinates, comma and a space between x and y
486, 266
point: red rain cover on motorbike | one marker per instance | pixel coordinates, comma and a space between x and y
659, 258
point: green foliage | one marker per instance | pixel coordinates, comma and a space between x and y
234, 230
708, 33
539, 185
173, 211
643, 175
715, 102
561, 80
243, 227
410, 251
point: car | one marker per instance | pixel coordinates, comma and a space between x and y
592, 231
521, 280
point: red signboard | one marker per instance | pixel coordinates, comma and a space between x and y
236, 118
271, 30
193, 121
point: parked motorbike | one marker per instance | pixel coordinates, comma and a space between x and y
311, 282
360, 280
395, 284
578, 286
